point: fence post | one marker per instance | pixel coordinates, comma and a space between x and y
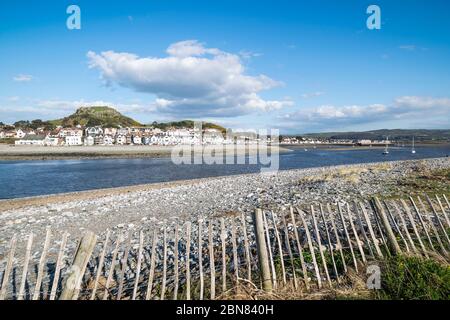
262, 250
393, 244
80, 261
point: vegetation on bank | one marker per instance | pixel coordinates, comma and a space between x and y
402, 278
413, 278
106, 117
421, 181
97, 116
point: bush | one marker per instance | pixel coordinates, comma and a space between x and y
414, 278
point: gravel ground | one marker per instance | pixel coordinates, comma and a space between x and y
156, 206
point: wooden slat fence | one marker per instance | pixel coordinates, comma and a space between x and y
307, 246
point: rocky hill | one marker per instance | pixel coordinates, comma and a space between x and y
97, 116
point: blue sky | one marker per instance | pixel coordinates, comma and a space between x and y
299, 66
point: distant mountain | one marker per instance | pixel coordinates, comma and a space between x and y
394, 134
97, 116
186, 124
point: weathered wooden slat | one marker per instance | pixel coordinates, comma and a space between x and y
299, 249
371, 231
448, 206
58, 266
405, 227
431, 223
248, 257
288, 246
330, 245
263, 259
151, 276
200, 258
280, 249
362, 229
444, 213
396, 227
336, 235
212, 266
422, 223
9, 265
347, 236
358, 241
176, 264
72, 286
311, 248
124, 267
380, 231
37, 288
234, 248
380, 212
100, 265
164, 275
319, 243
111, 268
413, 224
269, 249
139, 264
26, 264
224, 253
439, 223
188, 261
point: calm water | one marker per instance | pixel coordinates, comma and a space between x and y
32, 178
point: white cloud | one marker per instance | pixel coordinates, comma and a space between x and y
408, 47
422, 111
249, 54
193, 80
312, 94
13, 98
23, 78
421, 103
55, 108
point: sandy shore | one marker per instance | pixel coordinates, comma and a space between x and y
12, 152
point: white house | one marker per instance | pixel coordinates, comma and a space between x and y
94, 131
110, 131
108, 140
67, 132
89, 141
36, 140
73, 140
51, 141
20, 134
121, 139
137, 140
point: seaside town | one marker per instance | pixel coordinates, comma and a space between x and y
148, 135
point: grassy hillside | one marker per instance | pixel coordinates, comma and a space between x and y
97, 116
394, 134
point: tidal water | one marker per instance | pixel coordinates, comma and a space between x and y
33, 178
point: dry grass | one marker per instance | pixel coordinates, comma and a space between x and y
348, 174
352, 286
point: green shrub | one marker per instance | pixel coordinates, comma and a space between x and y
414, 278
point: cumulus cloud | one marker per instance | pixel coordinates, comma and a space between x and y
54, 108
192, 80
23, 78
408, 47
406, 109
312, 94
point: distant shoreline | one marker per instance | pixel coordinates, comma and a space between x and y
11, 153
